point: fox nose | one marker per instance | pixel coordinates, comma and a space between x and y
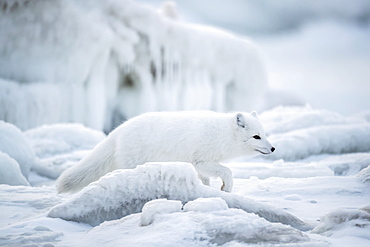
272, 149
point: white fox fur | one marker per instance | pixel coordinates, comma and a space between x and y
202, 138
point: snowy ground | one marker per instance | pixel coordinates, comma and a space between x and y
322, 194
317, 183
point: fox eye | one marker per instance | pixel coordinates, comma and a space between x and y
257, 137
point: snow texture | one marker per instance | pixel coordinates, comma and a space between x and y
50, 140
364, 175
297, 135
206, 205
279, 168
214, 222
141, 205
59, 146
344, 218
15, 144
124, 192
158, 206
10, 173
104, 62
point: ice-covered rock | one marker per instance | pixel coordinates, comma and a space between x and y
15, 144
124, 192
104, 62
199, 224
10, 173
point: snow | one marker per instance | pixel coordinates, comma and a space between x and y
10, 173
124, 192
99, 63
321, 200
206, 205
325, 133
50, 140
105, 62
14, 143
158, 207
59, 146
340, 218
264, 16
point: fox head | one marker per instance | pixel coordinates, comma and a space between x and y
251, 136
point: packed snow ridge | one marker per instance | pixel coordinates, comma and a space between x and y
104, 62
124, 192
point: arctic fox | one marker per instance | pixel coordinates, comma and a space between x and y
202, 138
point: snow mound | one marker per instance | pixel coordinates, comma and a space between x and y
364, 175
158, 206
10, 173
206, 205
16, 145
286, 119
300, 132
198, 226
59, 146
347, 164
124, 192
344, 218
335, 139
49, 140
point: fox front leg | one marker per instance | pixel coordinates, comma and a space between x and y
210, 169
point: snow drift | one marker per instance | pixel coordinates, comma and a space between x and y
59, 146
103, 62
10, 173
299, 132
124, 192
15, 144
344, 218
202, 222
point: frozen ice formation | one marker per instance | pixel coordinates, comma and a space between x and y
124, 192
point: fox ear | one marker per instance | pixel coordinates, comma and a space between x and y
240, 120
254, 114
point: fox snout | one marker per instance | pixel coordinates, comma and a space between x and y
272, 149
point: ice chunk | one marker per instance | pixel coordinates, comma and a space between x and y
16, 145
10, 173
364, 175
206, 205
201, 228
117, 59
124, 192
158, 206
343, 218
